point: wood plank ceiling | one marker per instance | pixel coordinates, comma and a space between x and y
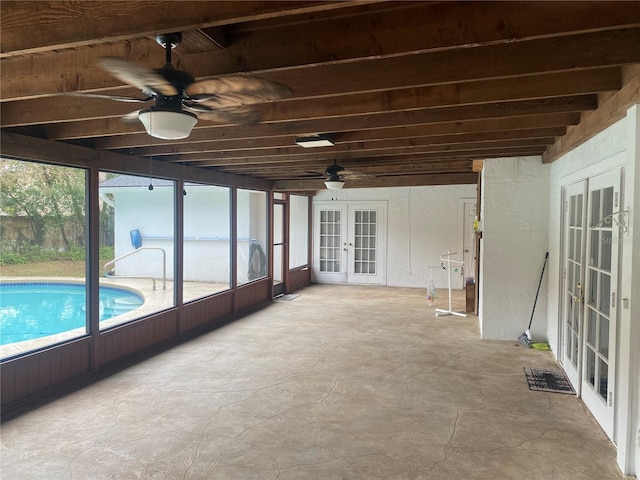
411, 92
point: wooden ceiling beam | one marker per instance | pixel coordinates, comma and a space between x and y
36, 149
66, 108
371, 168
425, 26
520, 59
268, 144
395, 181
611, 110
502, 151
334, 40
294, 154
96, 128
259, 133
61, 24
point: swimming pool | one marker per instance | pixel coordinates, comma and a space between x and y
30, 310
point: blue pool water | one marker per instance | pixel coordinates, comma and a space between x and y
38, 309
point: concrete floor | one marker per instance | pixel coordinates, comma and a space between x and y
343, 382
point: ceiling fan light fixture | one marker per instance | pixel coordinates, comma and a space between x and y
315, 141
167, 124
334, 184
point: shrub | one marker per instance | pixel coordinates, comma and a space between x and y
10, 258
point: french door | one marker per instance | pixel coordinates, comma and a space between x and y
575, 217
349, 242
591, 285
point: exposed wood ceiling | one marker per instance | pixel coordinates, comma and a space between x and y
411, 92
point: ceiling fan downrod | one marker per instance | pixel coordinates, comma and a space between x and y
169, 41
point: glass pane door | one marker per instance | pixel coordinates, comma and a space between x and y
364, 248
574, 280
600, 302
349, 242
329, 243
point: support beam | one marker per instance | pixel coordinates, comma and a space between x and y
609, 112
83, 23
253, 136
397, 181
35, 149
426, 26
63, 108
109, 127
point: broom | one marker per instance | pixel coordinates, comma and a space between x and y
525, 338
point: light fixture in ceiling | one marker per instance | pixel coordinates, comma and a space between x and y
334, 184
315, 141
167, 124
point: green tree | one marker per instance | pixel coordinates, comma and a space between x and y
52, 197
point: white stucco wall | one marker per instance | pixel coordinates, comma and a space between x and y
151, 212
515, 215
423, 223
206, 231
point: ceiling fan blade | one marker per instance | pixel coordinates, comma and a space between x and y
117, 98
137, 76
356, 175
130, 117
257, 90
238, 115
224, 100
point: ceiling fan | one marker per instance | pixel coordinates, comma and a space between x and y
335, 175
180, 100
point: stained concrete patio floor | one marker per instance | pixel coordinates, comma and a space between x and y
343, 382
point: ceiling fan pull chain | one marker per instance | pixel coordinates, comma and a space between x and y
150, 157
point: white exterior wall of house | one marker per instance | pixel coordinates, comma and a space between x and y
151, 212
206, 231
515, 216
616, 147
423, 223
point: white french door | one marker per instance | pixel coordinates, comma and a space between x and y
349, 242
601, 282
590, 286
575, 217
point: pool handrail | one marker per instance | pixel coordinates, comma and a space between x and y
105, 270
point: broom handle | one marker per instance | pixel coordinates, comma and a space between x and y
538, 291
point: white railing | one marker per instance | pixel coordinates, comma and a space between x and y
108, 265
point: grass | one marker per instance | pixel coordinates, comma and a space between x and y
58, 268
